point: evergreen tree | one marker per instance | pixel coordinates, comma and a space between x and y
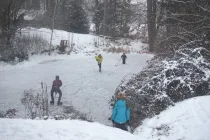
71, 16
78, 21
118, 17
98, 16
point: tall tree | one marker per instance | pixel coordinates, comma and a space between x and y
183, 21
105, 25
72, 16
11, 19
116, 17
151, 22
98, 17
78, 21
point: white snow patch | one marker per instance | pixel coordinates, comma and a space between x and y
59, 130
187, 120
137, 1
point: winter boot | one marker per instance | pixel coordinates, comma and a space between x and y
99, 70
52, 102
59, 103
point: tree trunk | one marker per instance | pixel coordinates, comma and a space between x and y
53, 24
105, 17
97, 18
151, 23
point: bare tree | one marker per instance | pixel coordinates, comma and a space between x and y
181, 22
105, 17
97, 22
11, 18
53, 24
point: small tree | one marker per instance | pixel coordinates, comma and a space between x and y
36, 105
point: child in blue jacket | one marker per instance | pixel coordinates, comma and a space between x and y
120, 112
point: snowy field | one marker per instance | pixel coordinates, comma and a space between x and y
83, 43
87, 90
59, 130
188, 120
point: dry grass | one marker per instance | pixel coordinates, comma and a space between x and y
117, 50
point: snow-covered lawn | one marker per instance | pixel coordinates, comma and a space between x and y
59, 130
87, 90
188, 120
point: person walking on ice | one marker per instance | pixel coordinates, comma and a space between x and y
124, 57
57, 83
99, 59
120, 112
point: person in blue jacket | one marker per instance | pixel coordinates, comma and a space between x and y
120, 112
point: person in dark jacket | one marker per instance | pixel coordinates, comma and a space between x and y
120, 112
57, 83
124, 57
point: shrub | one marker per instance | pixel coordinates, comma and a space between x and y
36, 104
168, 79
10, 113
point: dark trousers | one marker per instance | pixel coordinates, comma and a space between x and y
99, 65
121, 126
123, 61
56, 90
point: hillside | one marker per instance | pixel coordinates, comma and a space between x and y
187, 120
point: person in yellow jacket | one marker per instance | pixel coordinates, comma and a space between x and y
99, 58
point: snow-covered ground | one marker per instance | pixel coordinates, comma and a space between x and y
87, 90
83, 43
187, 120
59, 130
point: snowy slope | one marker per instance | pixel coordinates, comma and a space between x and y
59, 130
188, 120
83, 43
87, 90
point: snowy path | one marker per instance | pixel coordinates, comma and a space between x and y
83, 86
188, 120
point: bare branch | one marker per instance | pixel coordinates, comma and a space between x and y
201, 7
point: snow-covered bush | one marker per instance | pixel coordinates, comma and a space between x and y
10, 113
36, 104
69, 112
169, 79
31, 44
13, 55
22, 46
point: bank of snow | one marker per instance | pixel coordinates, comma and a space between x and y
59, 130
188, 120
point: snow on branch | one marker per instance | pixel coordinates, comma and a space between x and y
169, 79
